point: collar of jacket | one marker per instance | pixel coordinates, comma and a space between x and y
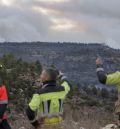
49, 83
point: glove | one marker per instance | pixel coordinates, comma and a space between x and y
62, 76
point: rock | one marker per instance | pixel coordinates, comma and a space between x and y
22, 128
110, 126
82, 128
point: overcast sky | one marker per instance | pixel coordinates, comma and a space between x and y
61, 20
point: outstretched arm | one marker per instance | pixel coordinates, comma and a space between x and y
110, 79
102, 77
64, 82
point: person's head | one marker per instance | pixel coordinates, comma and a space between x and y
48, 74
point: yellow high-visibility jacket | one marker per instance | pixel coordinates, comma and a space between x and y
48, 102
114, 79
108, 79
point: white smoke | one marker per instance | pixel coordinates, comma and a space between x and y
112, 43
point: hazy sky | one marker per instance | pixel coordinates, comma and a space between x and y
60, 20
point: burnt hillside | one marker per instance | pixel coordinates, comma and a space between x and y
76, 60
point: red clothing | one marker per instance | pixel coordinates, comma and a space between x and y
3, 94
3, 98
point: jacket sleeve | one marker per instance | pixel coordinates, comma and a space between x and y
31, 116
35, 102
65, 83
66, 86
102, 76
110, 79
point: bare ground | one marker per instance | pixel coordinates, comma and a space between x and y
86, 117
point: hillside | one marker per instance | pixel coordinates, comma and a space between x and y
76, 60
86, 106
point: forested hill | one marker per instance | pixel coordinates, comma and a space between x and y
76, 60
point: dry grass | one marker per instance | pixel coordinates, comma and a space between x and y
89, 118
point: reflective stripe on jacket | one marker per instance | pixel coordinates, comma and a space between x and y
48, 102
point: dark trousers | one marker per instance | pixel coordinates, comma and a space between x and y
4, 125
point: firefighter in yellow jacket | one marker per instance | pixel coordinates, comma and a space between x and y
46, 106
109, 79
